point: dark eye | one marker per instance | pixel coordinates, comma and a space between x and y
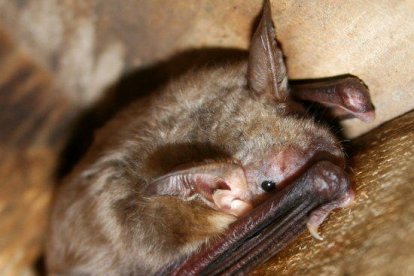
268, 186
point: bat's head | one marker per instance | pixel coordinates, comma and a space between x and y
262, 126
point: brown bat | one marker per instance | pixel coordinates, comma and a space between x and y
214, 174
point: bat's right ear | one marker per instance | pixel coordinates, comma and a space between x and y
266, 70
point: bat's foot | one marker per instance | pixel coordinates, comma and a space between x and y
318, 216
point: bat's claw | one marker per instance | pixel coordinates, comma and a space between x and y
318, 216
313, 230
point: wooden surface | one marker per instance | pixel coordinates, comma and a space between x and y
375, 236
89, 44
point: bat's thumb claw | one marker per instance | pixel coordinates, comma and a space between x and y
318, 216
313, 230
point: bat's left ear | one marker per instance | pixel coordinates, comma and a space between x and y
266, 70
220, 184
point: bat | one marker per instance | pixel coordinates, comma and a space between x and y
213, 174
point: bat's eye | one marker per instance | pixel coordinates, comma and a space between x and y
268, 186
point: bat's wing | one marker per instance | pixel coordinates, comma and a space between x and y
254, 239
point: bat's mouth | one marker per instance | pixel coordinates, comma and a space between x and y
255, 238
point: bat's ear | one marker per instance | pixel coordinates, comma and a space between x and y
222, 186
266, 69
345, 96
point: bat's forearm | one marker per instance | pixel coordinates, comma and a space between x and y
271, 226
